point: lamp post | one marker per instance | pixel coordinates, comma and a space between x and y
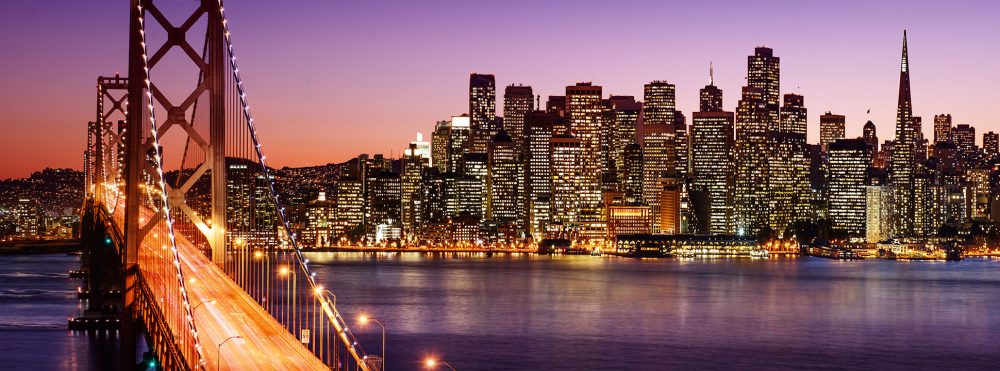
218, 356
290, 287
210, 301
364, 319
433, 363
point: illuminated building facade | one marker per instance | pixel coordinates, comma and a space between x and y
712, 145
567, 178
658, 162
518, 100
878, 213
942, 128
482, 110
538, 170
848, 174
628, 219
504, 182
751, 213
991, 145
585, 115
439, 145
831, 128
903, 165
320, 216
459, 132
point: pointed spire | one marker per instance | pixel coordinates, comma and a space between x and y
905, 66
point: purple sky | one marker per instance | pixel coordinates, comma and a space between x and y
329, 79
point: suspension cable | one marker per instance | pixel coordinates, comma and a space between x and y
329, 309
163, 195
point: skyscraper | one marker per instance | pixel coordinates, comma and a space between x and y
458, 142
626, 119
585, 111
751, 193
794, 116
903, 167
517, 101
538, 170
659, 103
831, 128
439, 145
567, 178
411, 200
764, 73
658, 163
710, 97
712, 165
871, 139
482, 110
848, 171
503, 181
991, 144
964, 137
942, 128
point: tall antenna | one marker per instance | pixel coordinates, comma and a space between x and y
711, 74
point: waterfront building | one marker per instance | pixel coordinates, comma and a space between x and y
751, 213
670, 205
411, 195
383, 195
350, 214
658, 162
567, 178
538, 170
712, 145
878, 213
504, 182
320, 217
584, 110
628, 219
848, 174
27, 218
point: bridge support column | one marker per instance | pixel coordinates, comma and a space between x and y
134, 166
216, 79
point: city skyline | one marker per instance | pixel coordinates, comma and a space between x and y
820, 63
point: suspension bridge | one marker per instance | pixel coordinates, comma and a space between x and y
186, 239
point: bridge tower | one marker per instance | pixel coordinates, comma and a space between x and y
145, 17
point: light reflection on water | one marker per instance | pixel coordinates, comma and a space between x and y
516, 312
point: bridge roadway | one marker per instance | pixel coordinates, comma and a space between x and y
265, 343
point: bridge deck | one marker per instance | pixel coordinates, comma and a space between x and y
265, 343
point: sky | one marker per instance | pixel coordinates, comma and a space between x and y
328, 79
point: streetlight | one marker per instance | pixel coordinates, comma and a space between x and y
433, 363
218, 356
211, 301
363, 320
290, 286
